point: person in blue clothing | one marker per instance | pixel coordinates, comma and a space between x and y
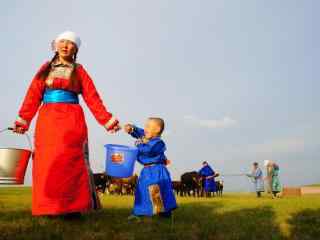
154, 194
208, 175
257, 178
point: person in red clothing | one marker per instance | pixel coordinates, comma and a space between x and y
62, 182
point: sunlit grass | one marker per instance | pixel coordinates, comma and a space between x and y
234, 216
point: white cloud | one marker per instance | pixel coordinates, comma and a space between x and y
281, 145
225, 122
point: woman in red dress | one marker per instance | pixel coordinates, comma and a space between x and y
61, 177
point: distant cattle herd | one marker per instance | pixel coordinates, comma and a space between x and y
190, 184
121, 186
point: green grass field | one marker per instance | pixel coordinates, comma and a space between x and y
234, 216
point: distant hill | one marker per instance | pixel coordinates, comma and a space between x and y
313, 185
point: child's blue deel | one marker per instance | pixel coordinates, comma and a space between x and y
120, 160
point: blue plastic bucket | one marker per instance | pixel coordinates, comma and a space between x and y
120, 160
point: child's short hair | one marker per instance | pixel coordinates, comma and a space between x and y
160, 122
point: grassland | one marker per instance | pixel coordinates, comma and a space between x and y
234, 216
313, 185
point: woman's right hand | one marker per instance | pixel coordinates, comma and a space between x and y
19, 128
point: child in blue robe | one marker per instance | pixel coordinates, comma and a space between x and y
208, 176
154, 194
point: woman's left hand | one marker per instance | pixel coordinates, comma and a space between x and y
114, 126
115, 129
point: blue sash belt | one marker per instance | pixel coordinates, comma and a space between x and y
60, 96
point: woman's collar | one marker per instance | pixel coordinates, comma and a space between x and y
59, 63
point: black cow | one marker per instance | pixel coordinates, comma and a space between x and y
191, 181
101, 181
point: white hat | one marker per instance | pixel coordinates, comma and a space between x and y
71, 36
266, 162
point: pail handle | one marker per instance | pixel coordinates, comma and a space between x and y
27, 136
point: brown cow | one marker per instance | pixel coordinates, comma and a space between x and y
177, 187
123, 186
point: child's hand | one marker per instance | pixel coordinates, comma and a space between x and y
167, 162
128, 128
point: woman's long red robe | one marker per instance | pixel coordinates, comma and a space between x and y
61, 176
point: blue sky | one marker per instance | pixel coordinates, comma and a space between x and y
236, 81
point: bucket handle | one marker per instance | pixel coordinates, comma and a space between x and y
27, 136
